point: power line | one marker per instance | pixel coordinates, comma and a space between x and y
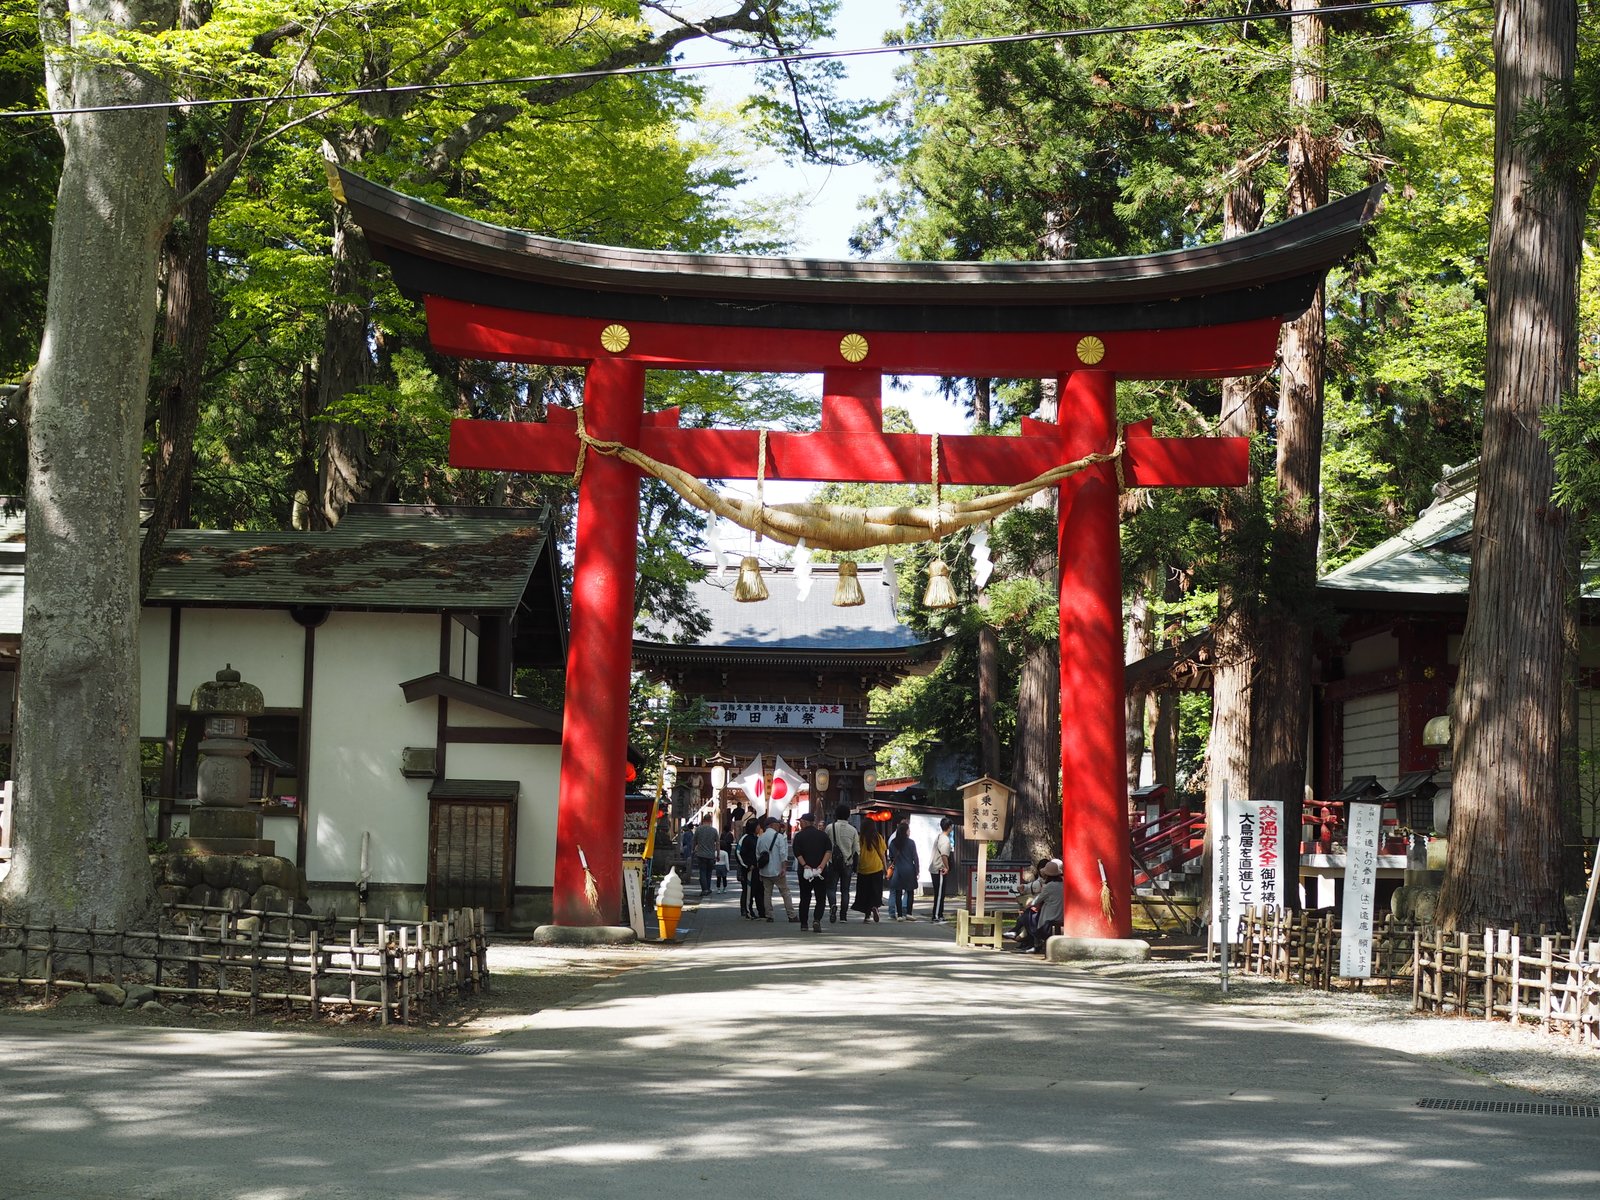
758, 61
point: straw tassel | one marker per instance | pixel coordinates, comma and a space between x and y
750, 586
847, 591
941, 593
591, 889
1105, 892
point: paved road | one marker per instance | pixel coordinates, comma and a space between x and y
763, 1060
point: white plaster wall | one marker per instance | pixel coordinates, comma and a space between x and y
465, 713
265, 646
359, 723
537, 768
155, 627
1376, 653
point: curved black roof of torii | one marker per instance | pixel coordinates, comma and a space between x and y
1272, 273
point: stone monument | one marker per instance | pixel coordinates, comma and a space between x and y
227, 820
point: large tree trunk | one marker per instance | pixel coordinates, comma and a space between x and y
79, 838
1235, 633
1505, 811
1036, 826
1141, 640
988, 699
1281, 703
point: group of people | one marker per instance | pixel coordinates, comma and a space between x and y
829, 857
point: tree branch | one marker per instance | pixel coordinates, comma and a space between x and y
751, 17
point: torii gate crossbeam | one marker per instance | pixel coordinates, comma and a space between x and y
503, 294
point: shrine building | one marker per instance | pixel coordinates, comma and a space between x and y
788, 677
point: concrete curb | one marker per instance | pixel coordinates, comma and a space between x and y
583, 935
1078, 949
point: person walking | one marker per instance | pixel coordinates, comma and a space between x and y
706, 845
904, 867
943, 862
772, 863
844, 844
811, 855
750, 900
869, 866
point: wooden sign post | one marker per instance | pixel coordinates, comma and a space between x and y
985, 805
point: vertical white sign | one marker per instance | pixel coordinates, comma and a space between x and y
633, 892
1254, 863
1360, 889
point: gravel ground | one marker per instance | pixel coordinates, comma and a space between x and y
1525, 1057
527, 979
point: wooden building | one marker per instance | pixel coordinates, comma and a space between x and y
788, 676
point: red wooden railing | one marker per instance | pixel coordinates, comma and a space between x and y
1165, 843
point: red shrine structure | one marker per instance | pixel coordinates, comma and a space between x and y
504, 294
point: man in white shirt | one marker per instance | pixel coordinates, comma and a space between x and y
942, 864
772, 843
845, 844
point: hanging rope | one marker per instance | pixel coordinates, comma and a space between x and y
840, 527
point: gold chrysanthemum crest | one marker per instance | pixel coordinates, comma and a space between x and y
853, 347
615, 338
1090, 350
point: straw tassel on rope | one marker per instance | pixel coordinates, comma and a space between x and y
832, 527
847, 591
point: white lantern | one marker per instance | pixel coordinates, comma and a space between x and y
719, 779
869, 780
822, 780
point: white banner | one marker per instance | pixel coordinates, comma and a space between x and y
1254, 864
775, 716
1360, 888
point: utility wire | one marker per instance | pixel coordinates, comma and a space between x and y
758, 61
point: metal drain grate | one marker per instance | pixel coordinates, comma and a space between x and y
1529, 1108
419, 1047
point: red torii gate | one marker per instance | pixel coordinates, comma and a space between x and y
506, 295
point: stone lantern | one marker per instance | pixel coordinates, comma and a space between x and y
226, 820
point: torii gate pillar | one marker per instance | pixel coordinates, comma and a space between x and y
1094, 780
594, 737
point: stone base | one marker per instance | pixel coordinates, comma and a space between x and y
211, 822
1077, 949
263, 847
583, 935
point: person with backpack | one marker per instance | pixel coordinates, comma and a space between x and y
844, 844
944, 857
772, 866
751, 905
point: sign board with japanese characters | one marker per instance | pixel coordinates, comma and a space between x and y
1254, 863
727, 713
636, 812
1001, 889
985, 804
1360, 890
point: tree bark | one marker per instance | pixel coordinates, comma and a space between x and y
1235, 634
1505, 810
988, 699
1281, 701
79, 849
1140, 642
1036, 825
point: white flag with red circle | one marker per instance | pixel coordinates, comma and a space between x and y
752, 782
786, 787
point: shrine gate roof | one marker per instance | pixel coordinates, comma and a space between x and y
785, 623
1270, 274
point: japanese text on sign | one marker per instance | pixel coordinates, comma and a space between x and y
1360, 889
1255, 874
985, 816
775, 716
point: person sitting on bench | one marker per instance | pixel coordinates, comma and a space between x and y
1046, 911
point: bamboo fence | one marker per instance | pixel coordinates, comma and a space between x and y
1304, 948
400, 969
1497, 976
